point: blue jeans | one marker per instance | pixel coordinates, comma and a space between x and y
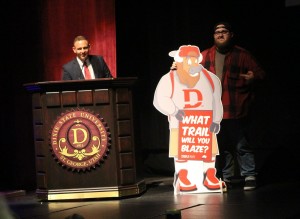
233, 143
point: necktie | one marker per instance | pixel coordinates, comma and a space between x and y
86, 71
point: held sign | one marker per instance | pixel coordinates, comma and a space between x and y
195, 138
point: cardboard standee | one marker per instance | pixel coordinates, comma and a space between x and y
191, 98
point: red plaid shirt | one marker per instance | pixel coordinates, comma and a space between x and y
237, 95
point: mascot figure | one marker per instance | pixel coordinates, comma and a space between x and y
190, 96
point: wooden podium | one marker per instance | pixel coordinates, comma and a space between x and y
98, 111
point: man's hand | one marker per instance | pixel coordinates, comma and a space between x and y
249, 76
174, 66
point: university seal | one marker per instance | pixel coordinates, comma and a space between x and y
79, 140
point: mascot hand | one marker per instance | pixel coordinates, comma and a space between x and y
179, 115
214, 127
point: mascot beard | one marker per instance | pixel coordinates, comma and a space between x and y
190, 77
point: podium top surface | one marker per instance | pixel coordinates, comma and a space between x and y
100, 83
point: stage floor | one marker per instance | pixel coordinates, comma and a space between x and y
271, 201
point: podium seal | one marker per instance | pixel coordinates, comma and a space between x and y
79, 140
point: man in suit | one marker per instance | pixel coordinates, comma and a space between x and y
84, 66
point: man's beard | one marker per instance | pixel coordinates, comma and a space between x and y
225, 47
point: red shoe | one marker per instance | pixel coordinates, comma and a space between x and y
211, 181
184, 184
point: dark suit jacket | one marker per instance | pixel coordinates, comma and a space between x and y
72, 70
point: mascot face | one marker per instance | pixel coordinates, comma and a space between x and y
188, 67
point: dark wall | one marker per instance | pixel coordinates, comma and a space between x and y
145, 35
21, 58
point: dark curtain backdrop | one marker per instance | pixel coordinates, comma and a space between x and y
63, 20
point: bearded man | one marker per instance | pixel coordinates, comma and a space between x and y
238, 71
